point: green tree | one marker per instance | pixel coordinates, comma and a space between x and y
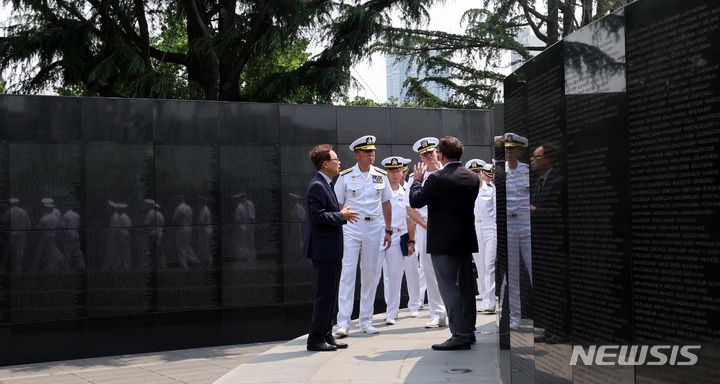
210, 49
468, 64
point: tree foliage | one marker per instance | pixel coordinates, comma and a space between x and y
469, 64
211, 49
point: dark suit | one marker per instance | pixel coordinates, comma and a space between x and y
324, 245
450, 197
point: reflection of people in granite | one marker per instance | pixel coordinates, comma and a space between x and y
50, 200
47, 255
182, 219
154, 222
297, 227
112, 259
549, 245
517, 197
19, 221
205, 231
250, 241
124, 237
239, 229
69, 223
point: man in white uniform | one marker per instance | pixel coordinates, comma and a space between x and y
366, 190
517, 186
411, 264
392, 258
425, 148
486, 230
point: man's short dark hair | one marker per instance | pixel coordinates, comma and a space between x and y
550, 151
451, 147
320, 154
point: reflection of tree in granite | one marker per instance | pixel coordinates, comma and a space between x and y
19, 223
204, 220
154, 223
241, 217
47, 255
182, 218
69, 223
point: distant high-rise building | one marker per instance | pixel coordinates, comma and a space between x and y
398, 69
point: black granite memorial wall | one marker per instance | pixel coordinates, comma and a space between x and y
630, 255
137, 225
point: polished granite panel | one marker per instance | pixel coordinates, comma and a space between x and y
472, 127
47, 341
673, 93
121, 270
249, 122
46, 179
186, 121
191, 329
188, 274
3, 117
5, 339
251, 265
250, 183
44, 118
410, 125
187, 183
119, 178
355, 122
116, 335
270, 323
51, 284
6, 257
118, 120
312, 124
299, 278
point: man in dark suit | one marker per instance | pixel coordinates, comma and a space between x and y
324, 246
450, 197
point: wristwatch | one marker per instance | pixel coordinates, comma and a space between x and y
389, 231
411, 241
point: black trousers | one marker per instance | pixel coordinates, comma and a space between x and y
457, 289
326, 296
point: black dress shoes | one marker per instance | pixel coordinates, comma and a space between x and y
452, 345
331, 340
473, 339
321, 347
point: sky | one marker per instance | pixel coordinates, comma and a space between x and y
370, 73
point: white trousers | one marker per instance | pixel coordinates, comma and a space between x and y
392, 270
485, 262
411, 265
437, 307
361, 242
518, 245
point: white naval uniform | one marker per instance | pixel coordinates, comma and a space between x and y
437, 307
392, 259
486, 230
517, 185
364, 193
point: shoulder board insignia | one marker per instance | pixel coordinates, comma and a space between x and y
410, 176
345, 172
380, 170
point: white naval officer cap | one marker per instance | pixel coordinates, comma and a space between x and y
393, 162
426, 144
406, 163
47, 200
364, 143
514, 140
488, 169
475, 165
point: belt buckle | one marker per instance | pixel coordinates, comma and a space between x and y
368, 218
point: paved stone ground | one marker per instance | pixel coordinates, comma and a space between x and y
400, 353
189, 366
